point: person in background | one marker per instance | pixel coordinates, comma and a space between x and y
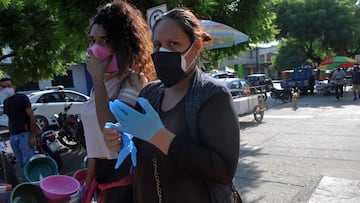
311, 84
187, 134
355, 80
120, 38
294, 99
339, 76
22, 124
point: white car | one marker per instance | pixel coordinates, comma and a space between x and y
46, 103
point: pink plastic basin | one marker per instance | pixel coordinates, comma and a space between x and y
58, 187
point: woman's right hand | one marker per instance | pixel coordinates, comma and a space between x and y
95, 66
112, 138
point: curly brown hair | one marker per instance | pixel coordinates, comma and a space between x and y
128, 35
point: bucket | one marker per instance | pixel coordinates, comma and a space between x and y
59, 187
80, 175
27, 193
38, 167
75, 198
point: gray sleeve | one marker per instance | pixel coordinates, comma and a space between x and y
215, 158
220, 133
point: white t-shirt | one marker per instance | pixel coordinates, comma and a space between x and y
95, 144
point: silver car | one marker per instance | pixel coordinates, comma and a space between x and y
238, 86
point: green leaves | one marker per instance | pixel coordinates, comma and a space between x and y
320, 28
47, 35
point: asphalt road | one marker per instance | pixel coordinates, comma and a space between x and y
308, 155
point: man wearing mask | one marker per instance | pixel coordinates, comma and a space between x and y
21, 124
339, 76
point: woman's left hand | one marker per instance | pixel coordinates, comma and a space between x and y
112, 138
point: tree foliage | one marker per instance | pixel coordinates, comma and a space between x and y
45, 36
321, 28
290, 55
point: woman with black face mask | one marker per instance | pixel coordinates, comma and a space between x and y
187, 133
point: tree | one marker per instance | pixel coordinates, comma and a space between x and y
43, 37
322, 27
48, 35
28, 30
290, 55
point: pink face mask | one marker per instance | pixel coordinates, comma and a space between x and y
102, 53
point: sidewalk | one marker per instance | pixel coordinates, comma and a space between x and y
308, 155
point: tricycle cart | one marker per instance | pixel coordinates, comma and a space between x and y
251, 104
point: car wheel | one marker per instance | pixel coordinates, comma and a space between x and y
286, 97
41, 121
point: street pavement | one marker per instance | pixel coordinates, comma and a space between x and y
308, 155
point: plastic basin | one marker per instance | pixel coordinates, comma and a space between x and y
27, 193
80, 175
59, 187
39, 167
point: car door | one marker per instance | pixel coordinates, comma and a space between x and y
46, 106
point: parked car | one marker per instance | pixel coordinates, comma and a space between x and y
221, 74
46, 103
260, 79
3, 119
238, 86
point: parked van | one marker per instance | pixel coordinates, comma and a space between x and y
259, 80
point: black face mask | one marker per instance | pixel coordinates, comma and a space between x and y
168, 67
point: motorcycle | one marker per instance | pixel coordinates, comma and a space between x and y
7, 161
282, 94
71, 131
46, 143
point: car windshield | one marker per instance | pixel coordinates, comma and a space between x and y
245, 83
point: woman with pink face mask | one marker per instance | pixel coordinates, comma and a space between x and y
119, 62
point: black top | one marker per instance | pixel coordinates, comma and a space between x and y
14, 108
356, 78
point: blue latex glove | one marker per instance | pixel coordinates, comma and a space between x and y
127, 148
141, 125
